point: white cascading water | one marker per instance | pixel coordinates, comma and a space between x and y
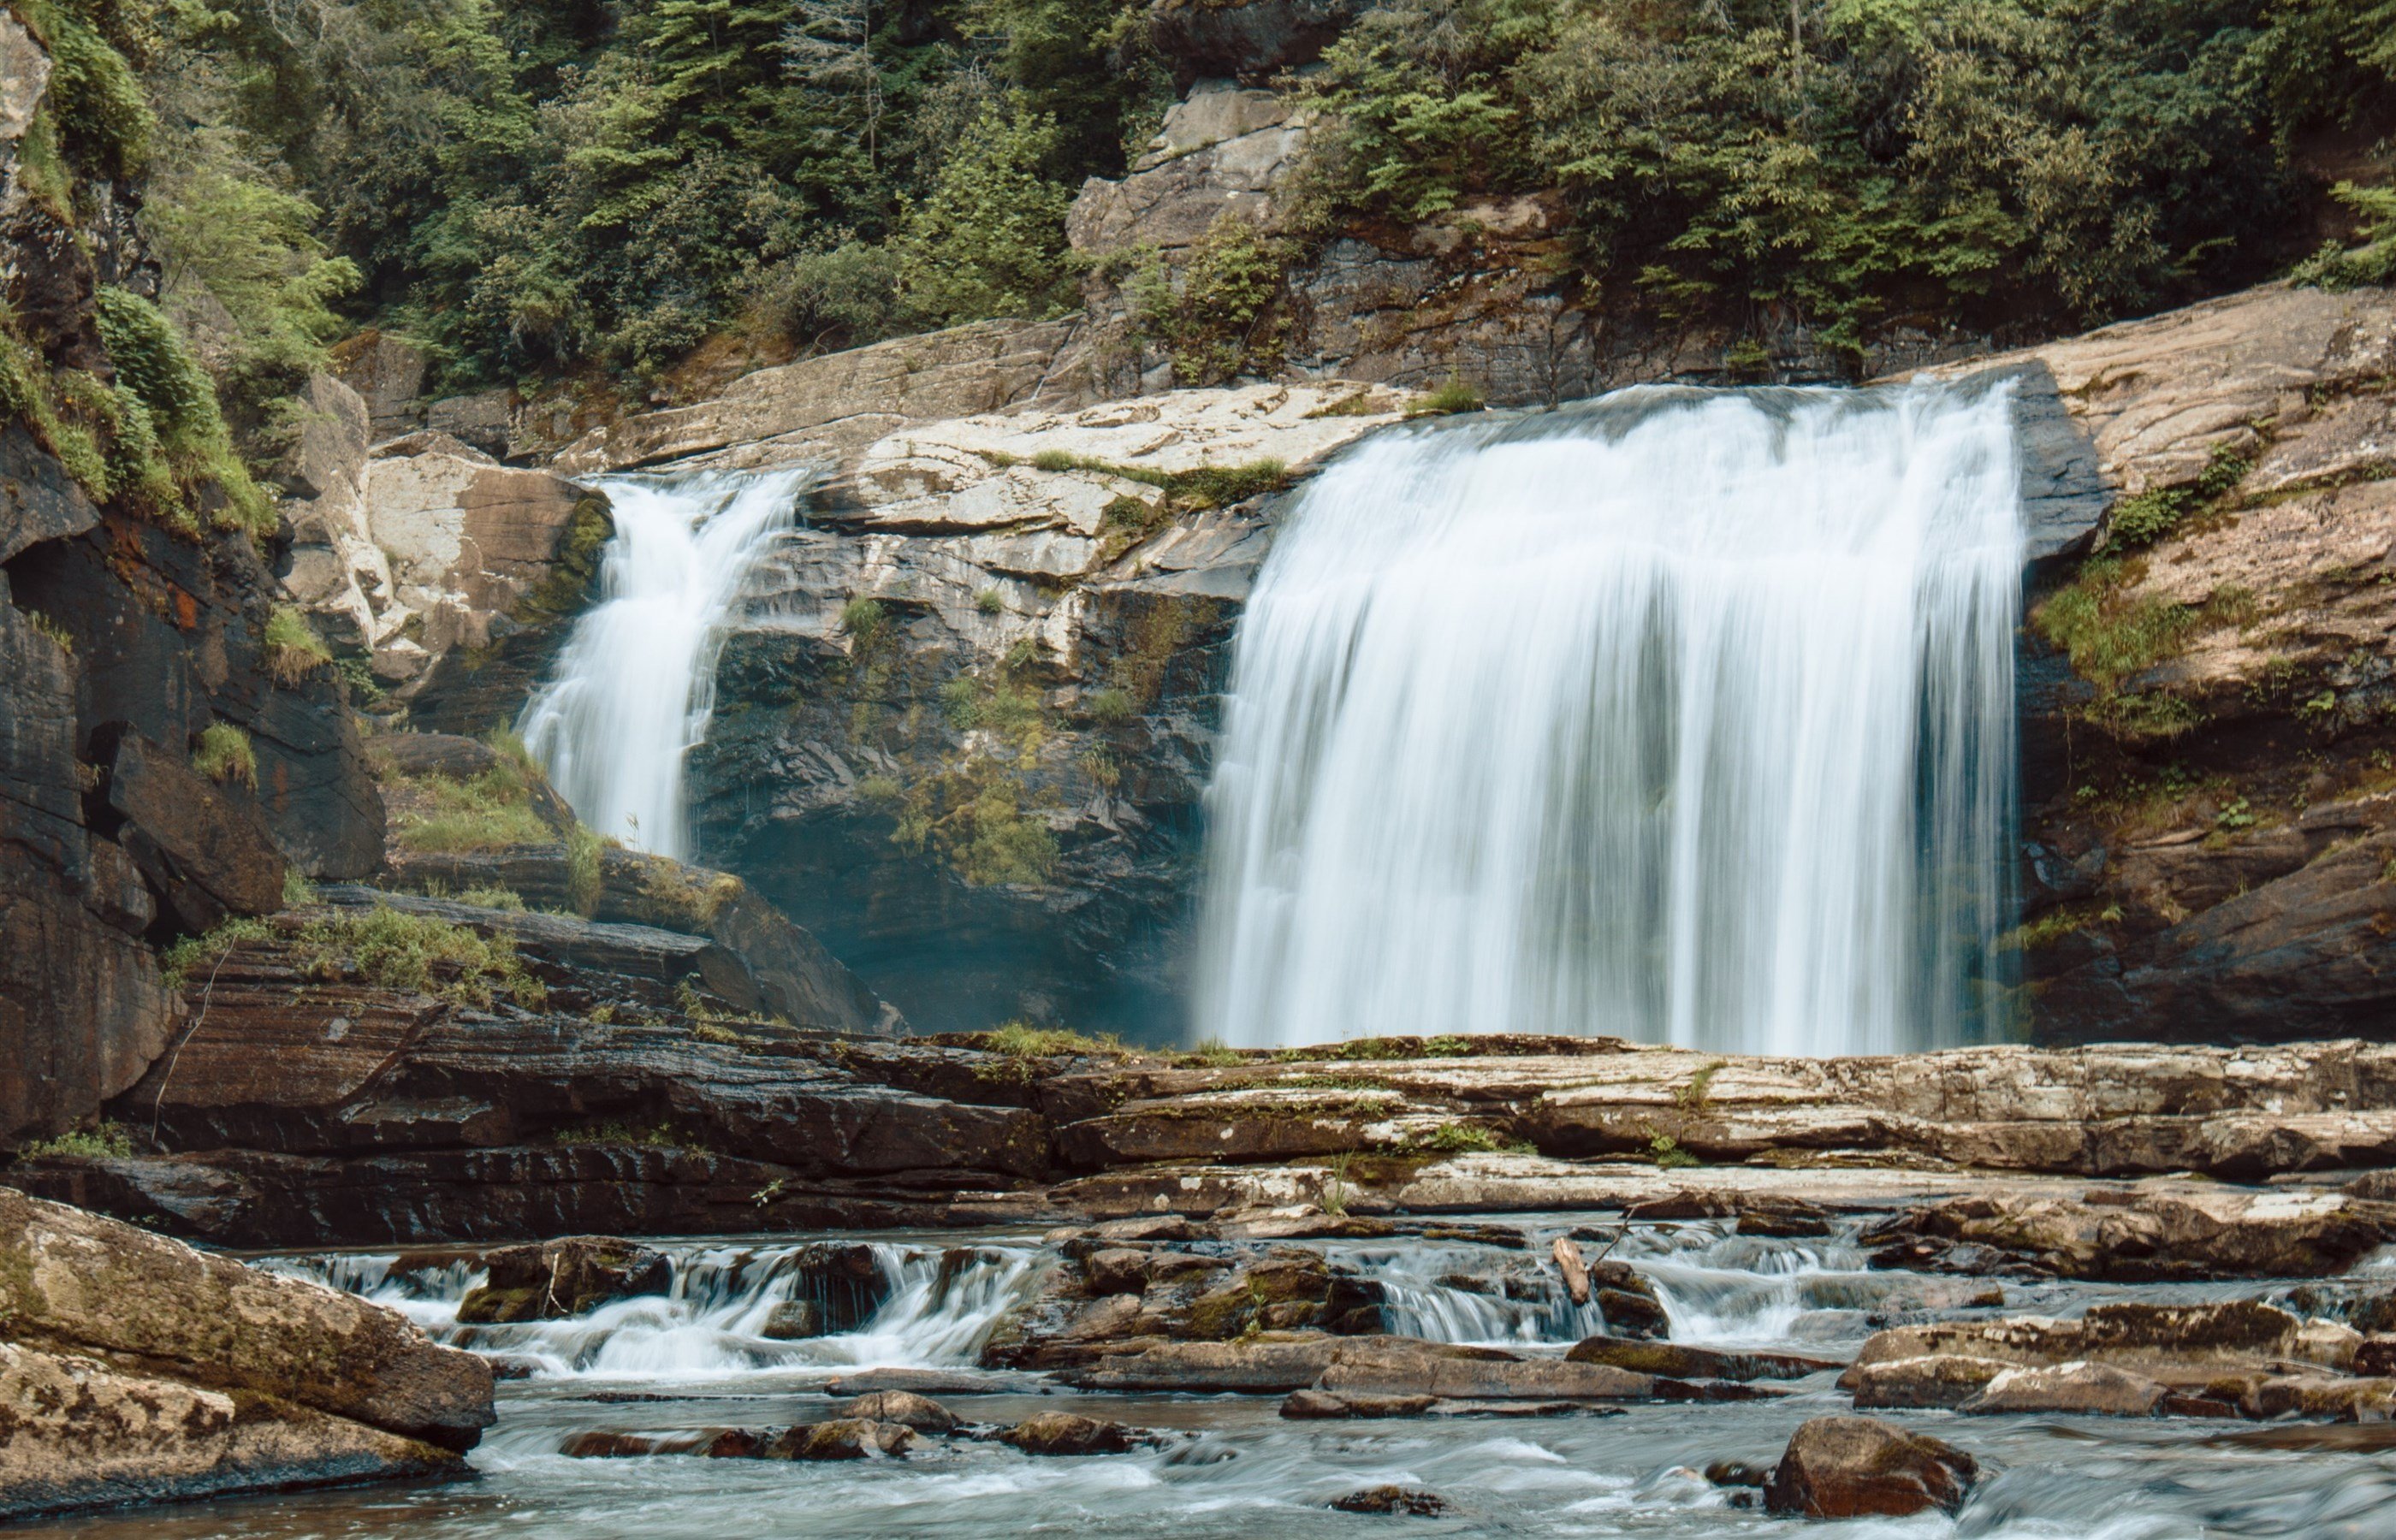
1682, 715
634, 687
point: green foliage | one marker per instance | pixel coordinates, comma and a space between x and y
844, 296
1666, 1151
50, 627
102, 118
418, 954
224, 755
2109, 633
1219, 313
1211, 1054
105, 1142
2138, 522
294, 651
196, 957
179, 425
2374, 261
989, 238
493, 898
297, 892
243, 264
1853, 165
864, 619
1450, 398
491, 811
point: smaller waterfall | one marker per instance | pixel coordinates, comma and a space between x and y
636, 683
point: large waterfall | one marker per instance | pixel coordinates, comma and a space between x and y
1680, 715
633, 688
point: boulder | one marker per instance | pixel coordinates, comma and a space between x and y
1854, 1467
2139, 1236
920, 1413
841, 1439
1393, 1499
74, 1284
562, 1278
1069, 1433
1680, 1361
82, 1433
1932, 1379
2088, 1389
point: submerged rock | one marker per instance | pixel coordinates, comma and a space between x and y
562, 1278
1393, 1499
1854, 1468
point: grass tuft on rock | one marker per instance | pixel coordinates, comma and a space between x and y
1026, 1040
418, 954
224, 755
294, 651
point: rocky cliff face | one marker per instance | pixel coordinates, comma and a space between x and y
125, 644
2207, 698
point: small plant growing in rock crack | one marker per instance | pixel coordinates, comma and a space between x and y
770, 1193
1666, 1151
1447, 1046
105, 1141
2235, 816
1211, 1054
297, 892
989, 602
195, 957
58, 635
1463, 1139
1692, 1097
1334, 1187
224, 755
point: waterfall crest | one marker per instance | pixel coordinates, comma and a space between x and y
635, 684
1680, 715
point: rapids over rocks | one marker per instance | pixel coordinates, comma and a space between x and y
695, 1357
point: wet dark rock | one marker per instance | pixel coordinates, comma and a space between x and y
1683, 1362
841, 1439
1738, 1473
920, 1413
794, 1320
1628, 1302
208, 852
562, 1278
1108, 1294
1853, 1467
2376, 1355
842, 1280
1393, 1499
1069, 1433
715, 1443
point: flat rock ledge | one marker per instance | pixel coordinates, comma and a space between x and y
135, 1369
309, 1104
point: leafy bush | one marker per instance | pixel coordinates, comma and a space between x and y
107, 1141
1219, 313
2335, 267
178, 407
224, 755
989, 238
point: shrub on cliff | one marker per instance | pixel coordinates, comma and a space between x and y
989, 239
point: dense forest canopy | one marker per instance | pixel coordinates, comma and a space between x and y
545, 187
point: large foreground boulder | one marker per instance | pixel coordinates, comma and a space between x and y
1852, 1468
137, 1368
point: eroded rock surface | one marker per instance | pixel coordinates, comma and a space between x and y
1854, 1468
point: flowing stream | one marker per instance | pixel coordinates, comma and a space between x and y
1230, 1466
633, 688
1678, 715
